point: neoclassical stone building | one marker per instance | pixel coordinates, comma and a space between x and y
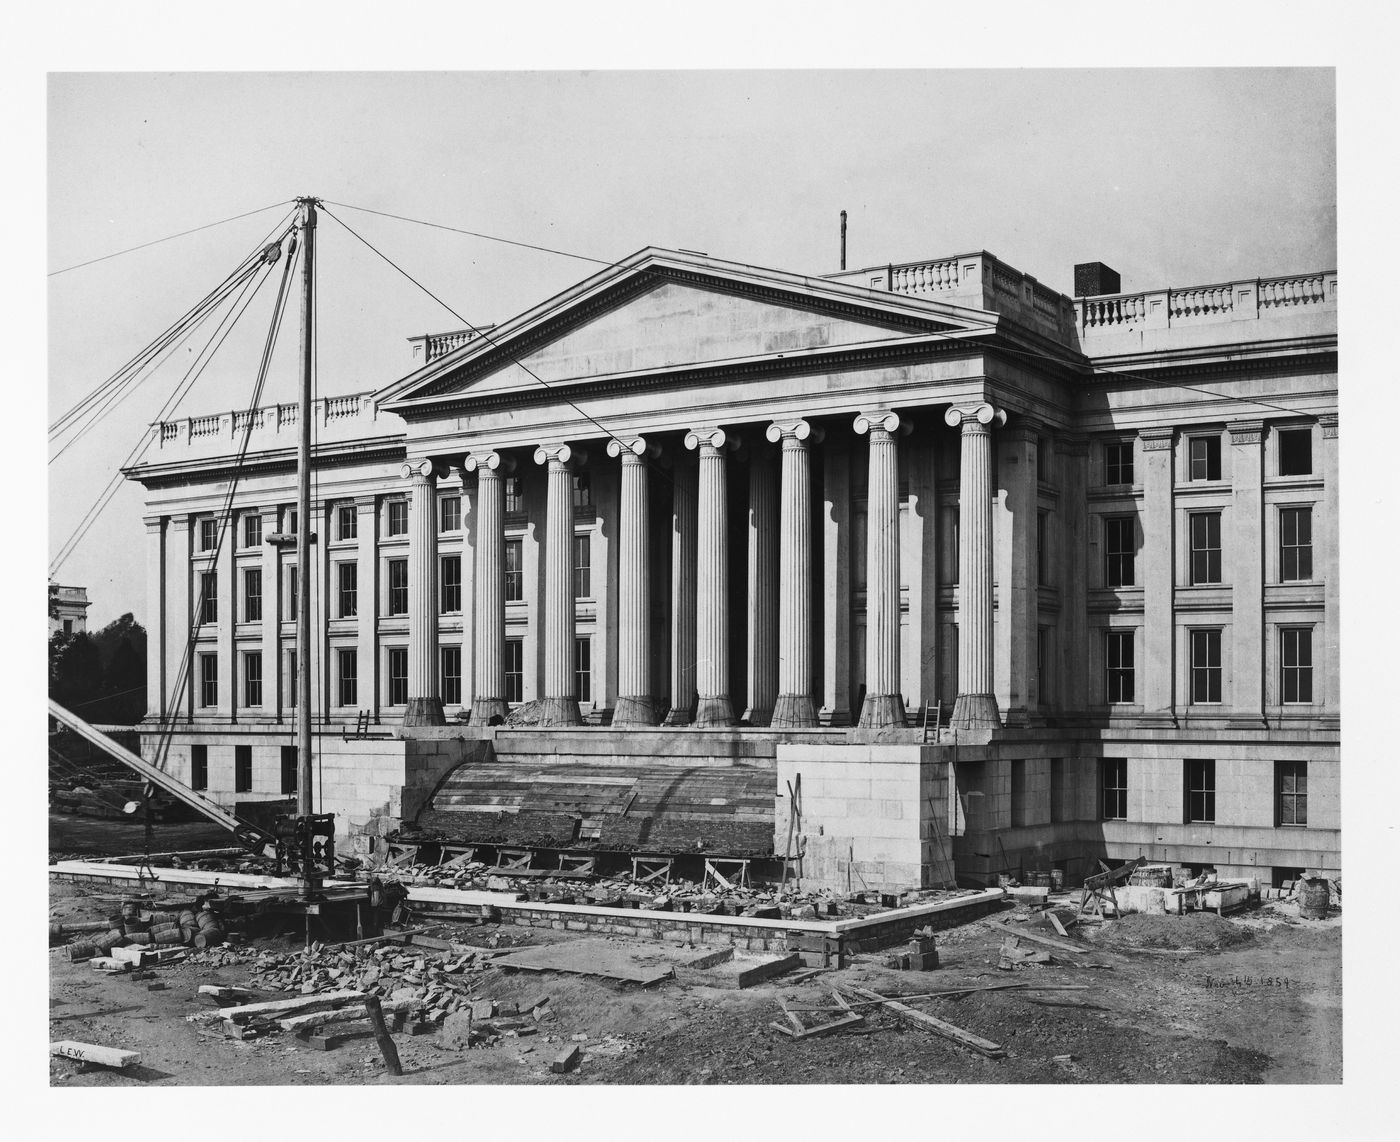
1012, 580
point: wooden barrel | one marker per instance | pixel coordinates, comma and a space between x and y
169, 934
207, 920
186, 917
1312, 903
209, 938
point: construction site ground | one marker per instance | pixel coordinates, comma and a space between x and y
1251, 999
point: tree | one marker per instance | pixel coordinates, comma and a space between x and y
101, 677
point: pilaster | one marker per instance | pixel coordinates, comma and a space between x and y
918, 551
559, 705
1331, 570
762, 546
182, 585
367, 610
836, 599
1156, 655
1016, 591
156, 617
230, 669
1246, 561
1072, 646
684, 502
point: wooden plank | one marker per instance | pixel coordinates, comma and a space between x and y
278, 1008
1055, 923
93, 1053
351, 1014
937, 1026
849, 1020
1046, 940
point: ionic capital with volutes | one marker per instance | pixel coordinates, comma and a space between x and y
798, 432
490, 460
633, 448
890, 422
715, 439
977, 418
417, 469
561, 454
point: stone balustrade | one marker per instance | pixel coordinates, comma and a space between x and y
1246, 300
272, 426
429, 347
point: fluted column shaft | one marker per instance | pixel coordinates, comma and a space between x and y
683, 541
884, 703
489, 700
713, 706
560, 704
976, 707
762, 673
635, 704
796, 706
424, 700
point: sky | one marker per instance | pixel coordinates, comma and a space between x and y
1171, 176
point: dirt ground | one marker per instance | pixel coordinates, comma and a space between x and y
1265, 1008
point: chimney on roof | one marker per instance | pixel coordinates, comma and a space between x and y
843, 240
1094, 278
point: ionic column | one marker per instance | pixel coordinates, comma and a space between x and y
762, 649
683, 540
795, 706
489, 689
559, 706
713, 707
884, 702
976, 707
635, 704
424, 702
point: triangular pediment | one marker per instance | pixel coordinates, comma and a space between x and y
659, 317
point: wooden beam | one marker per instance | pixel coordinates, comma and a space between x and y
937, 1026
1035, 938
92, 1053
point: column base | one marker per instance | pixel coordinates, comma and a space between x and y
559, 712
714, 712
679, 716
794, 712
976, 712
424, 712
484, 709
880, 711
635, 711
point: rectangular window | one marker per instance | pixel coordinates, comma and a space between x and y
515, 670
515, 496
1295, 452
1118, 663
347, 522
1120, 548
1205, 547
1204, 455
348, 663
1291, 793
1296, 664
398, 587
583, 669
252, 678
291, 517
515, 571
452, 675
1118, 462
398, 517
208, 680
1205, 666
583, 491
1113, 788
252, 531
290, 770
208, 534
1200, 791
450, 513
292, 679
208, 596
252, 595
1295, 545
242, 769
199, 767
398, 676
1042, 554
583, 579
347, 576
451, 579
291, 594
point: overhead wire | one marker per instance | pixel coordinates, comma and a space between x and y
167, 238
167, 341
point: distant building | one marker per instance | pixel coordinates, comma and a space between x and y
804, 520
67, 609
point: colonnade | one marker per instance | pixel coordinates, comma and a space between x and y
781, 684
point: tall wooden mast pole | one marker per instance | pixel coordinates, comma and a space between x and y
304, 576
